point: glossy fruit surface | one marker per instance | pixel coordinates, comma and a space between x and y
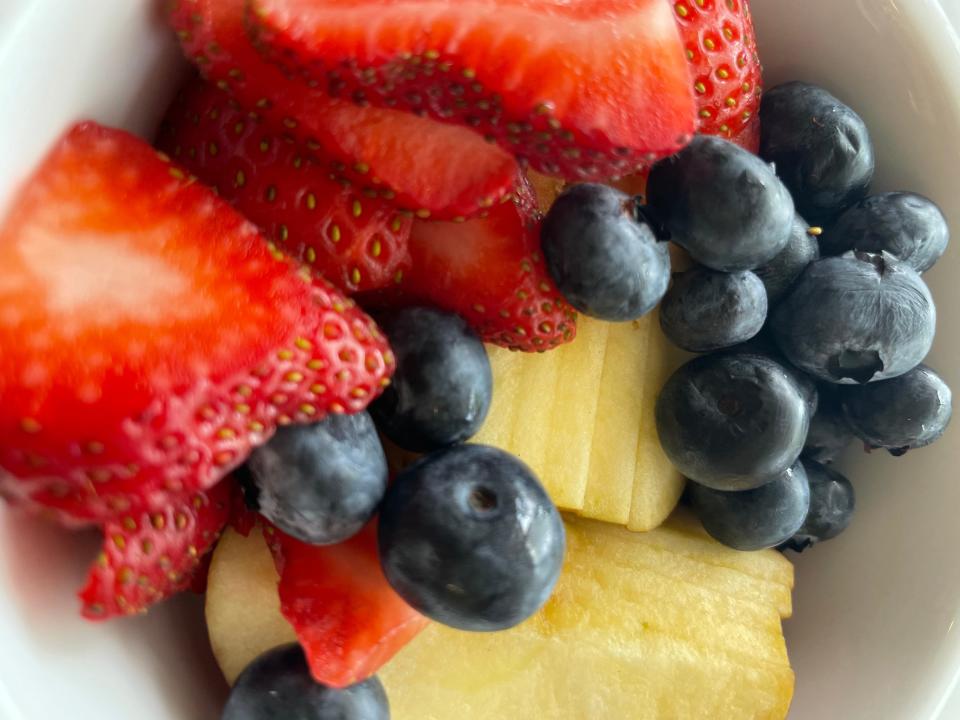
469, 538
820, 147
604, 257
441, 392
721, 204
756, 519
732, 421
907, 412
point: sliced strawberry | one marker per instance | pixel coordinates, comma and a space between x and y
151, 336
725, 68
490, 271
356, 242
396, 154
584, 90
347, 617
150, 556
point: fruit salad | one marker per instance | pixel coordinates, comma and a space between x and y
476, 359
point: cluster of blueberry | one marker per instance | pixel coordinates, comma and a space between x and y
815, 333
467, 534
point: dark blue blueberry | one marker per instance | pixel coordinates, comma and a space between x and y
319, 483
779, 274
856, 318
829, 433
732, 422
907, 412
820, 148
443, 385
763, 344
722, 204
831, 507
756, 519
469, 538
706, 310
604, 256
278, 686
908, 226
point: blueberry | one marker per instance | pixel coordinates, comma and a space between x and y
756, 519
907, 412
732, 422
856, 318
831, 507
779, 274
908, 226
320, 483
820, 148
278, 685
707, 310
604, 256
443, 384
470, 539
763, 344
829, 433
722, 204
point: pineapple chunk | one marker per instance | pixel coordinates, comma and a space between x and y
666, 624
581, 417
544, 407
242, 603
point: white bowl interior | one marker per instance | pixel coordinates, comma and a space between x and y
873, 635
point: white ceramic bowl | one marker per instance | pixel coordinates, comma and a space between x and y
873, 637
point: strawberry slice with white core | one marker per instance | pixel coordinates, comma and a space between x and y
151, 336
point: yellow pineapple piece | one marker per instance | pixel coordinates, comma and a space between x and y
630, 479
242, 604
581, 417
658, 485
544, 407
661, 625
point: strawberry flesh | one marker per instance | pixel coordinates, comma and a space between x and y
398, 155
347, 617
513, 70
356, 242
151, 336
490, 271
150, 556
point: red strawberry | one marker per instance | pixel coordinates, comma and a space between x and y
725, 68
151, 336
356, 242
490, 271
584, 90
150, 556
347, 617
397, 154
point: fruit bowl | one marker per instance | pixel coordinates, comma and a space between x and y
872, 634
